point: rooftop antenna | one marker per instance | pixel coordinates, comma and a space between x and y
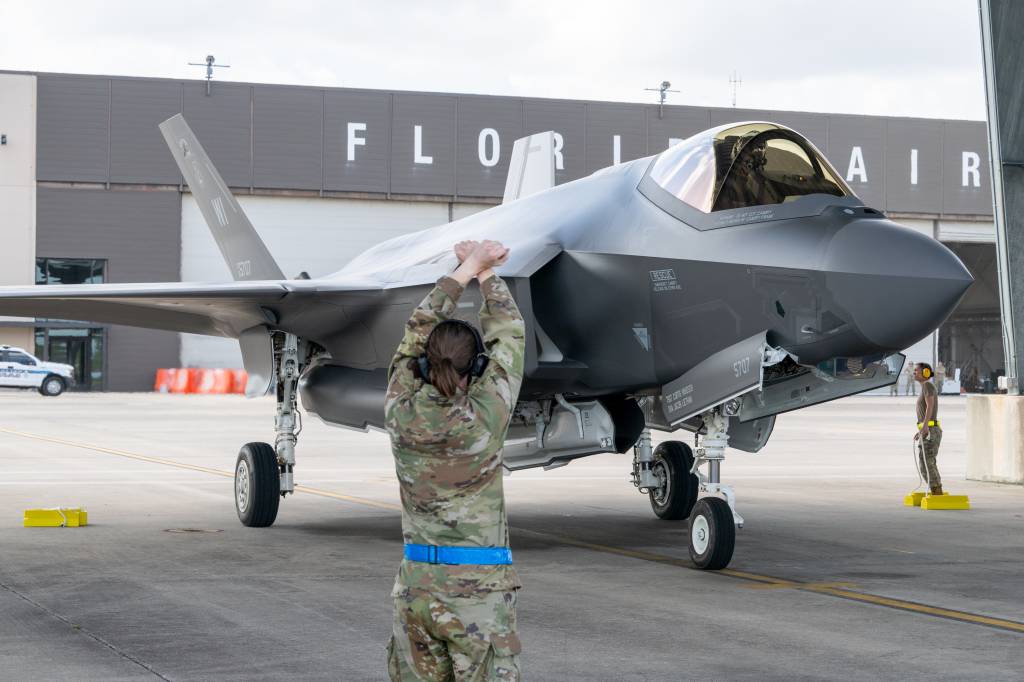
661, 90
210, 64
735, 81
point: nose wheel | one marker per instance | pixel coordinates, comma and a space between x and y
712, 533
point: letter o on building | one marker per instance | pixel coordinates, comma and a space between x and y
488, 160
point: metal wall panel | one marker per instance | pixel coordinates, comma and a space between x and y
221, 123
565, 118
675, 123
138, 153
137, 233
72, 119
903, 137
300, 139
434, 172
960, 138
367, 170
504, 116
845, 135
287, 131
604, 121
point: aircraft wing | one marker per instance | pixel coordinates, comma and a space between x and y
215, 309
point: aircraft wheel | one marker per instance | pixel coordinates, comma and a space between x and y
674, 497
52, 386
712, 534
257, 485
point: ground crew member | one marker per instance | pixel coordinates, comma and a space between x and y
929, 433
449, 401
909, 387
940, 376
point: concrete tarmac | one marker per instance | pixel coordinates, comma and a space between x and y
833, 578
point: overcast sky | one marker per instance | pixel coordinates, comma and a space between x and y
895, 57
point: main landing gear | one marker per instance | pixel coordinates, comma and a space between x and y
264, 474
670, 476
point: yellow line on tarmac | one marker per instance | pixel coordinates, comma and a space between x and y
760, 581
196, 467
831, 589
121, 453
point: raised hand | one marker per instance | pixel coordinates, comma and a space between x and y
464, 248
489, 254
477, 259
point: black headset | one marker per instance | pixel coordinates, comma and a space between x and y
480, 359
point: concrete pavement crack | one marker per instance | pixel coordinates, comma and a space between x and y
79, 629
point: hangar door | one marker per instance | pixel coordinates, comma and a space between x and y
304, 234
971, 339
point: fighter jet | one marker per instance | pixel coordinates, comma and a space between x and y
705, 290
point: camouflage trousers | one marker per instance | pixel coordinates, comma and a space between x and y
928, 450
441, 637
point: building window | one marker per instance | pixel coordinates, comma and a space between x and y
73, 343
70, 270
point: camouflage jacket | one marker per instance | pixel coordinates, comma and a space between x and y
448, 450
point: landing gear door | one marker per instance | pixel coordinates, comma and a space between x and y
837, 378
717, 379
258, 359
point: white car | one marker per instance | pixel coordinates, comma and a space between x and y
21, 369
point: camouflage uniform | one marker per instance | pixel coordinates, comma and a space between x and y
930, 445
455, 620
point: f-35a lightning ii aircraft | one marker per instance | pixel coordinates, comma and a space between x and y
728, 279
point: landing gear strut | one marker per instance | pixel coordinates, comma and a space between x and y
264, 474
670, 476
714, 519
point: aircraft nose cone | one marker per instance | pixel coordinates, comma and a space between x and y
896, 284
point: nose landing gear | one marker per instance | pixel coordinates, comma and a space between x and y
670, 476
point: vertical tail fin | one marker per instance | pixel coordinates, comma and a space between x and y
531, 167
243, 250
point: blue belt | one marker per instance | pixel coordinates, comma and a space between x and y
435, 554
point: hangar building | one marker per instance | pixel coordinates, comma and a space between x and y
89, 192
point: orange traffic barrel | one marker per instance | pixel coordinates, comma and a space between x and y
212, 381
239, 378
163, 381
179, 380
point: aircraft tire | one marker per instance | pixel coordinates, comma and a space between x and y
257, 485
52, 386
712, 536
672, 463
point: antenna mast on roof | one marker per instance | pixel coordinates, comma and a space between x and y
661, 90
735, 81
209, 64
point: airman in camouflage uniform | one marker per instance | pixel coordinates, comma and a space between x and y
929, 432
455, 621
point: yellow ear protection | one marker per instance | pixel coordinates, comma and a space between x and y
480, 359
926, 372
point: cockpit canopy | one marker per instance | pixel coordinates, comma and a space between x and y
745, 164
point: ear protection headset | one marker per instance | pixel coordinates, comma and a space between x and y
926, 371
476, 366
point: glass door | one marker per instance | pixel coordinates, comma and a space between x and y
82, 349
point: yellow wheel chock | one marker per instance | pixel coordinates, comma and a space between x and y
945, 501
59, 517
913, 499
